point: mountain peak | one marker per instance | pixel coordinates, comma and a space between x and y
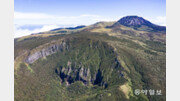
133, 21
138, 23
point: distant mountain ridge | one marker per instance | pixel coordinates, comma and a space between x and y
70, 28
137, 23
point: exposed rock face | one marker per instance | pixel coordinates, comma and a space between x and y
46, 52
70, 75
84, 74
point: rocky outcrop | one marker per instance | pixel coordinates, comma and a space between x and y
84, 74
32, 57
72, 74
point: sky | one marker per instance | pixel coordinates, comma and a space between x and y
31, 16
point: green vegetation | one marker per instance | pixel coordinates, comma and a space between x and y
91, 67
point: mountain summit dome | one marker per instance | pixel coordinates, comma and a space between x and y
138, 23
133, 21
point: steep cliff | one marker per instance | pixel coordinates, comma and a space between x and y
46, 51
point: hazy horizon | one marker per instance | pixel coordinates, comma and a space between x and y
50, 14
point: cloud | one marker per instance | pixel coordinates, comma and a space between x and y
51, 21
40, 18
159, 20
19, 31
22, 18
